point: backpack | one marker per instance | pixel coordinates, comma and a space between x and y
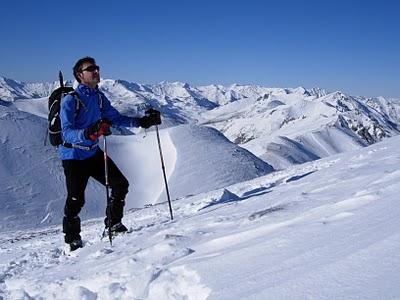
54, 104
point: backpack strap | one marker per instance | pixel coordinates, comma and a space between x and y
101, 101
78, 102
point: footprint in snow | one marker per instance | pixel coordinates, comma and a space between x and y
264, 212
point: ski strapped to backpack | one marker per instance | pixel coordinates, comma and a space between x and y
54, 122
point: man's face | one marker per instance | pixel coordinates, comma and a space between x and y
89, 74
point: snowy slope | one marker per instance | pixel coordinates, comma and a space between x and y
36, 106
32, 181
293, 234
207, 160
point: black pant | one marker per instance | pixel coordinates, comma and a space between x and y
77, 174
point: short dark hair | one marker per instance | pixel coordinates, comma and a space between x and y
78, 65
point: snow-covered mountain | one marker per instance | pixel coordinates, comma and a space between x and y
282, 126
11, 90
286, 127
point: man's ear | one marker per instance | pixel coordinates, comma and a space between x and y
79, 74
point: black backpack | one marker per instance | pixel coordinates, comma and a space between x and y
54, 122
54, 105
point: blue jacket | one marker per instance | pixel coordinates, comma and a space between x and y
73, 125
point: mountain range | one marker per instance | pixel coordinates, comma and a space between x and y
282, 126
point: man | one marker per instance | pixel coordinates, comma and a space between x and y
80, 154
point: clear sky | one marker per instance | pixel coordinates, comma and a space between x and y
345, 45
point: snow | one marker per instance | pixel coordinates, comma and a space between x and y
303, 206
37, 107
190, 172
139, 159
293, 234
318, 124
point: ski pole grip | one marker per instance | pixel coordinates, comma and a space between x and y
151, 111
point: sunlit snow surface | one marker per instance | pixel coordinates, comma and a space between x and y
323, 230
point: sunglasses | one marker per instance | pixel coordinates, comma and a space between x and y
91, 68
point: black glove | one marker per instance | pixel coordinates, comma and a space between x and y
97, 129
152, 117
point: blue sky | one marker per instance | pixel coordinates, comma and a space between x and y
351, 46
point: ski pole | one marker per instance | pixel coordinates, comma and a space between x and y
165, 177
108, 210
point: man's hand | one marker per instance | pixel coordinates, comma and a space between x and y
152, 117
97, 129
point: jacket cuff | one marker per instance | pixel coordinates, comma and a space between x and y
134, 122
81, 135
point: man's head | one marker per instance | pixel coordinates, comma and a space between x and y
87, 72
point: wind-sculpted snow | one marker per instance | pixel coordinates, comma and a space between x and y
328, 229
206, 160
32, 180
